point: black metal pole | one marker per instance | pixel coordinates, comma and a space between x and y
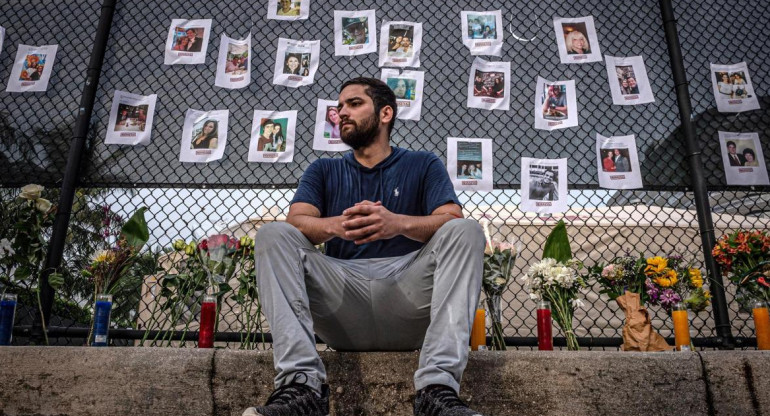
697, 177
69, 182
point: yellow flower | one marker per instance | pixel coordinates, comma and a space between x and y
655, 265
696, 278
667, 279
102, 256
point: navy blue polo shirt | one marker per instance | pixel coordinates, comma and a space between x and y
407, 182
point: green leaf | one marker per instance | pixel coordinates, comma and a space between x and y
135, 229
557, 244
55, 280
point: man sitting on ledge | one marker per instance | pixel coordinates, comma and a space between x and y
402, 269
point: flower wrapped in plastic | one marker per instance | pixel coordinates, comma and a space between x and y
744, 257
499, 258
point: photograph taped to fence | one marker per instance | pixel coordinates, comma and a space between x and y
234, 63
577, 40
489, 85
470, 163
400, 44
130, 119
482, 32
288, 9
543, 185
555, 104
354, 32
618, 162
326, 135
296, 62
187, 41
272, 136
204, 135
628, 80
32, 68
733, 89
743, 159
408, 87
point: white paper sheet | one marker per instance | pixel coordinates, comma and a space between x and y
733, 89
482, 32
408, 87
618, 162
740, 169
576, 39
32, 68
204, 136
400, 44
234, 63
327, 128
628, 80
2, 38
543, 185
470, 163
130, 118
296, 62
555, 104
355, 32
484, 85
187, 41
272, 136
288, 9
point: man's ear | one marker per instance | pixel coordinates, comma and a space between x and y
386, 114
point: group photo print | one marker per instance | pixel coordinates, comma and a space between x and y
489, 84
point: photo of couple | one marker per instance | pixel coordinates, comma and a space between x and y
296, 64
747, 156
732, 84
131, 117
469, 159
33, 67
401, 41
555, 102
468, 169
237, 59
188, 39
489, 84
627, 80
271, 136
615, 160
482, 26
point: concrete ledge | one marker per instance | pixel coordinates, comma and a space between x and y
162, 381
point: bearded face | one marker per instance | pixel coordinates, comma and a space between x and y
360, 134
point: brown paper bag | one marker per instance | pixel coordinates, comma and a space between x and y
638, 334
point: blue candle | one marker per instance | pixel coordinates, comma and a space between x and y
7, 311
101, 320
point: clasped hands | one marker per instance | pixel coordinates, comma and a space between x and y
368, 221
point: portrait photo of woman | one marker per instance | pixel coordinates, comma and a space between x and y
332, 126
577, 43
207, 136
291, 65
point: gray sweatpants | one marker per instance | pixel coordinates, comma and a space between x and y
425, 299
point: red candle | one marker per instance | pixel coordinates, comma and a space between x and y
544, 326
208, 317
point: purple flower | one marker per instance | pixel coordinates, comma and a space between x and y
668, 298
652, 291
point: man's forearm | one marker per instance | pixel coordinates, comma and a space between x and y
317, 230
422, 228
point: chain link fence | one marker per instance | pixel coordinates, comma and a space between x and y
114, 181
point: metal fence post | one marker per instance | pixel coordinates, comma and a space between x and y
69, 182
697, 177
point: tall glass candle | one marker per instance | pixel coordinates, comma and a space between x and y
208, 318
544, 326
102, 310
7, 313
479, 330
762, 325
681, 327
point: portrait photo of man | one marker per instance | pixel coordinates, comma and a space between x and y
542, 183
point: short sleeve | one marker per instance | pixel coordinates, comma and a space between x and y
311, 186
438, 186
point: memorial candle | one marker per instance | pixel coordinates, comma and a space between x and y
762, 325
681, 327
208, 318
102, 310
544, 326
479, 330
7, 313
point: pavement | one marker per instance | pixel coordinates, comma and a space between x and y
175, 381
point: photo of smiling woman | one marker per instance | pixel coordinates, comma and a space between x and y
291, 64
206, 136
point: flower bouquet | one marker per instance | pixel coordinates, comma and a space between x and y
744, 257
670, 280
555, 278
499, 257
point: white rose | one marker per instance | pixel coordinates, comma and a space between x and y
43, 205
31, 192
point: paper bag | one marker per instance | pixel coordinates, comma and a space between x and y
638, 334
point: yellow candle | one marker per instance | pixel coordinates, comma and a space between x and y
681, 327
762, 325
478, 330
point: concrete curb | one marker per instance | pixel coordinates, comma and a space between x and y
162, 381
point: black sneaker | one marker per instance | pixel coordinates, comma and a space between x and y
440, 400
294, 399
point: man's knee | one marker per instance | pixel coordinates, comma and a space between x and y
469, 230
273, 231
